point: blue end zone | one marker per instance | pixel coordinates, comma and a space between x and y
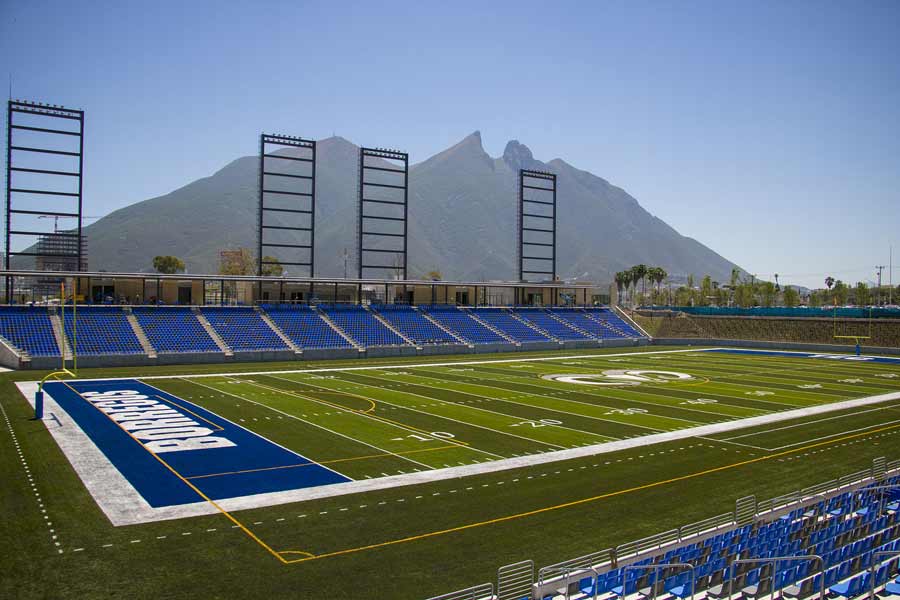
147, 434
876, 359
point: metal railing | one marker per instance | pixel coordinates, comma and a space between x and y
484, 591
591, 563
774, 562
654, 584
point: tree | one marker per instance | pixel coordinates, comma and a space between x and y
744, 295
791, 296
829, 281
721, 297
236, 262
841, 292
272, 267
768, 292
706, 290
622, 279
168, 265
657, 275
862, 294
815, 298
641, 271
733, 282
434, 275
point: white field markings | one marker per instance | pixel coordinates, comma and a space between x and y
709, 439
543, 384
467, 446
786, 363
823, 372
289, 415
845, 366
54, 538
620, 420
552, 391
452, 473
812, 422
511, 418
658, 397
387, 367
512, 399
764, 374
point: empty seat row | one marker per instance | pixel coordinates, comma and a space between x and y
174, 329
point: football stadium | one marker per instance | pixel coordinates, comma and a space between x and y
266, 428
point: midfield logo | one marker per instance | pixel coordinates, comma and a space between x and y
618, 377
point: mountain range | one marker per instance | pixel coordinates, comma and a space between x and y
462, 220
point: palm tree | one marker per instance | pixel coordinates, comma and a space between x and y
656, 275
735, 277
620, 282
829, 281
638, 273
626, 279
659, 275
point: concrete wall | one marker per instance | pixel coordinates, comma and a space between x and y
9, 359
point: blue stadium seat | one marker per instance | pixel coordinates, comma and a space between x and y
305, 326
242, 329
29, 328
508, 324
174, 329
462, 324
103, 330
413, 325
546, 320
361, 325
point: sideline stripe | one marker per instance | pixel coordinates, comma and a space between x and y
578, 502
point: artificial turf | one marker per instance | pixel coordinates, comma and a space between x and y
417, 541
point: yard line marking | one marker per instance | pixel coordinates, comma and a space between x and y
401, 366
511, 400
805, 423
447, 402
578, 502
310, 423
370, 416
726, 441
542, 384
371, 400
825, 437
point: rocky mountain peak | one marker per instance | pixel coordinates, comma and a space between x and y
518, 156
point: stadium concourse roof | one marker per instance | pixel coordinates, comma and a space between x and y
299, 280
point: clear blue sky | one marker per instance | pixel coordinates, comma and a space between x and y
768, 131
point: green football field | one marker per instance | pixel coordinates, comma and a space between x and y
466, 416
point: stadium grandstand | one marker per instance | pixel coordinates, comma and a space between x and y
839, 538
375, 322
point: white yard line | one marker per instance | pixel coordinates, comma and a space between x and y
245, 399
375, 417
398, 366
726, 441
436, 416
825, 437
805, 423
